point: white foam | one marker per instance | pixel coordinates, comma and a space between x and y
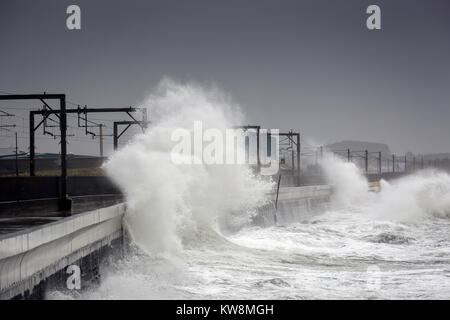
350, 186
414, 197
168, 202
174, 209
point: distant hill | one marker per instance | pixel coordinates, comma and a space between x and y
360, 146
10, 153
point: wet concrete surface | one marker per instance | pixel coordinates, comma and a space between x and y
10, 225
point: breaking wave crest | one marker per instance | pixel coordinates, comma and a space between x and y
176, 215
418, 195
169, 203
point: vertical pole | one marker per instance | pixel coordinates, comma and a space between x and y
115, 136
278, 191
414, 163
405, 162
101, 139
293, 166
257, 150
379, 162
298, 159
321, 152
17, 161
393, 163
247, 148
422, 162
348, 155
32, 164
366, 162
63, 127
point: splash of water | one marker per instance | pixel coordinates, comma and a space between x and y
414, 197
419, 195
168, 203
325, 256
350, 185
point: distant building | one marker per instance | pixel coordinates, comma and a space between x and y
360, 146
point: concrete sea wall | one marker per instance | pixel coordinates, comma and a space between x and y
294, 204
31, 256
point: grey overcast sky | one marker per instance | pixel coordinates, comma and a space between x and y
308, 65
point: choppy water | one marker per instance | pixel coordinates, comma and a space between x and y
394, 244
346, 253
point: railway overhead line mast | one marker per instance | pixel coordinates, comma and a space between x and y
61, 115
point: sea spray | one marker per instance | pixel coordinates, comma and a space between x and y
169, 203
325, 256
415, 196
350, 185
423, 194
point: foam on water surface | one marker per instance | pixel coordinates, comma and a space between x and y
399, 235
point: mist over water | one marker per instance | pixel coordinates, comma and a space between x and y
391, 244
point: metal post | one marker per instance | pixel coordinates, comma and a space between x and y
247, 148
414, 163
379, 162
366, 162
17, 161
348, 155
293, 166
278, 191
257, 150
298, 159
100, 128
405, 163
115, 136
393, 163
32, 164
65, 204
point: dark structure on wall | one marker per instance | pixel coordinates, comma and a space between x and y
61, 114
